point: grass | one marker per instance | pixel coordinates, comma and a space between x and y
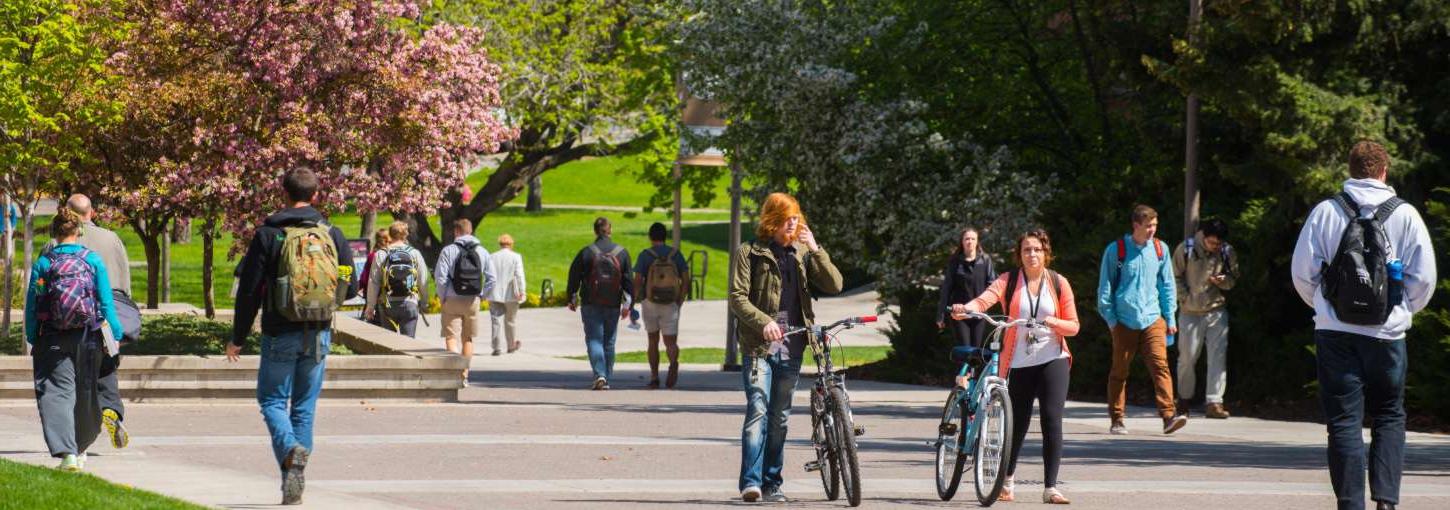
26, 486
850, 355
604, 181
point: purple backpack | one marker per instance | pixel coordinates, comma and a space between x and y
71, 301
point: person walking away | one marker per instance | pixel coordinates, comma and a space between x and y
297, 271
67, 303
768, 295
1364, 263
112, 251
503, 302
969, 270
665, 277
464, 274
397, 288
1204, 267
599, 277
380, 244
1038, 357
1136, 296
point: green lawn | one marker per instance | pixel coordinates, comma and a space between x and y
25, 486
605, 181
845, 356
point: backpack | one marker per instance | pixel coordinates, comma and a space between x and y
309, 285
1123, 256
1012, 289
71, 299
400, 275
467, 275
606, 277
1356, 283
662, 283
128, 314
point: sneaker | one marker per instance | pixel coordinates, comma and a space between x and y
515, 347
1118, 429
1215, 411
497, 352
600, 383
1173, 423
81, 460
293, 481
1182, 407
69, 464
1007, 494
774, 495
1052, 496
750, 494
1380, 505
114, 428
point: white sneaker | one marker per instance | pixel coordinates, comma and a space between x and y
600, 383
81, 460
750, 494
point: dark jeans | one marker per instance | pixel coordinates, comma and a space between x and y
1361, 375
601, 325
289, 380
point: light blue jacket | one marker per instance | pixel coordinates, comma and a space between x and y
1146, 290
36, 290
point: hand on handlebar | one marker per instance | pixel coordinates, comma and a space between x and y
963, 311
772, 332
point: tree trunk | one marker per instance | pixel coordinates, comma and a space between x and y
208, 273
536, 195
8, 251
150, 240
165, 266
369, 224
27, 215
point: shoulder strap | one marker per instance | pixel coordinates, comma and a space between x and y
615, 252
593, 250
1122, 252
1158, 245
1056, 285
1383, 212
1011, 292
1347, 204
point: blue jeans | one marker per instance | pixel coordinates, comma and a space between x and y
600, 325
291, 371
769, 383
1358, 375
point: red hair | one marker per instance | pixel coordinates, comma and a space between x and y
777, 209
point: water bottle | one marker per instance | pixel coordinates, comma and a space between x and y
1395, 269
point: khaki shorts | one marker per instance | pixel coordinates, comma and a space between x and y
664, 318
460, 313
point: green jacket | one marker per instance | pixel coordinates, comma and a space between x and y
755, 290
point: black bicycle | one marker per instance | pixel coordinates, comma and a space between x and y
832, 430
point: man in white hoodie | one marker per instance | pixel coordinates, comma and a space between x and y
1362, 367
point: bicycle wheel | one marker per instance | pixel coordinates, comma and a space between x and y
850, 469
994, 444
823, 436
950, 452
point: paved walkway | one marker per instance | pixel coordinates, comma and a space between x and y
525, 435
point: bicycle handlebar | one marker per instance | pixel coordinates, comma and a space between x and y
849, 322
997, 322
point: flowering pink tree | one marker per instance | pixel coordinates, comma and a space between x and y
225, 96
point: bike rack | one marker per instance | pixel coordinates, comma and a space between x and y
697, 280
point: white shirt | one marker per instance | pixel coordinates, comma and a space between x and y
1046, 307
508, 266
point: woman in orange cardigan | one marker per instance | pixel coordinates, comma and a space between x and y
1036, 359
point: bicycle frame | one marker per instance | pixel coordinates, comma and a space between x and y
970, 400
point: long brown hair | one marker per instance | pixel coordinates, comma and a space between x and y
1041, 237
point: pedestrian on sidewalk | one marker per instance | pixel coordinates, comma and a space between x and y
67, 304
503, 302
464, 274
1038, 357
1204, 266
599, 277
968, 272
665, 277
1136, 296
300, 268
397, 284
1365, 264
380, 243
112, 251
768, 295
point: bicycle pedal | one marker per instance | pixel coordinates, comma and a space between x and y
813, 466
947, 429
860, 431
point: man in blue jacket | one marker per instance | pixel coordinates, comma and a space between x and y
1138, 297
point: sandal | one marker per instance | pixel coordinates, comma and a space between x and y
1006, 494
1052, 496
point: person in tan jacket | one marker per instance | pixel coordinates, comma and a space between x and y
1204, 267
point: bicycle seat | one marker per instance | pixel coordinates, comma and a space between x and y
965, 353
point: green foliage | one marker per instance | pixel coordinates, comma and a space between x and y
1428, 386
26, 486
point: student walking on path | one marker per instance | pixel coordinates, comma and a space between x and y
599, 277
1038, 358
67, 303
1364, 263
664, 276
1205, 267
297, 272
1136, 296
397, 284
968, 272
463, 276
503, 302
769, 294
380, 244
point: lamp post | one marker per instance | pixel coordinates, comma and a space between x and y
700, 120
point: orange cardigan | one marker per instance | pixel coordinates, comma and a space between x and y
1067, 323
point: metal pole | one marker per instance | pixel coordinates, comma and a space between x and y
732, 346
678, 207
1191, 196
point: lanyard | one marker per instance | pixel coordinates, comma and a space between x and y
1034, 303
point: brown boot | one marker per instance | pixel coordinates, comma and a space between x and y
1215, 411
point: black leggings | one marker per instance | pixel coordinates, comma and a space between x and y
972, 332
1046, 383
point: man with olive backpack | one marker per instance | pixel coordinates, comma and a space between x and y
664, 277
599, 277
297, 272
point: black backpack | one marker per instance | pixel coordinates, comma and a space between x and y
606, 277
400, 276
467, 270
1356, 282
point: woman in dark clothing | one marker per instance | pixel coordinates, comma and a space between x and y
967, 275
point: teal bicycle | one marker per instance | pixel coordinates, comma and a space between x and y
977, 419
